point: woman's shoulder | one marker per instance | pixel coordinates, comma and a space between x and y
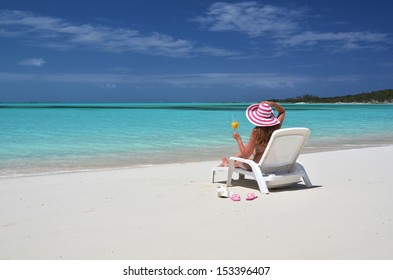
254, 131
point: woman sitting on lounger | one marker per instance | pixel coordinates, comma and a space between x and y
266, 123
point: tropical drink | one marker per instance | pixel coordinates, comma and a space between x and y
235, 125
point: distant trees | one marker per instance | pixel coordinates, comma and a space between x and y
380, 96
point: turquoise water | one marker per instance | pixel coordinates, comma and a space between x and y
46, 138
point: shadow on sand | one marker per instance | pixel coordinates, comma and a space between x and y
252, 184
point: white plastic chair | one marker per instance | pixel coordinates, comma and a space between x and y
278, 165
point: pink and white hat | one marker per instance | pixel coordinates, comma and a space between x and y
261, 114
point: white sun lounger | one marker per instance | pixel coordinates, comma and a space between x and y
278, 165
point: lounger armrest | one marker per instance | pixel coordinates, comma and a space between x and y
250, 162
241, 160
255, 172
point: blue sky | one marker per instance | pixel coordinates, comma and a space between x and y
192, 51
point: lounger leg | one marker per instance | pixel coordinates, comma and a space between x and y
305, 177
229, 180
306, 180
261, 183
259, 178
212, 176
231, 168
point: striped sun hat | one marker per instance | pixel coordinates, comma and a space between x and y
261, 114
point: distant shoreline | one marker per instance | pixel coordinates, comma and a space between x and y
376, 97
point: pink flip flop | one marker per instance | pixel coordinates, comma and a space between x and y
251, 196
235, 197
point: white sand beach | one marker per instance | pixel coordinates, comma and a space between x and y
173, 212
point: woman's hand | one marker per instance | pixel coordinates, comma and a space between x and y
280, 110
236, 136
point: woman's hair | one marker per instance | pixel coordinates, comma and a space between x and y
263, 134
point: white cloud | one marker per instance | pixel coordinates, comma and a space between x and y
60, 34
110, 86
349, 40
37, 62
251, 18
284, 27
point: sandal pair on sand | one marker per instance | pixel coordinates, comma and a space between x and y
224, 192
250, 196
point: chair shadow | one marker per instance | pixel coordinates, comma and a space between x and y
252, 184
